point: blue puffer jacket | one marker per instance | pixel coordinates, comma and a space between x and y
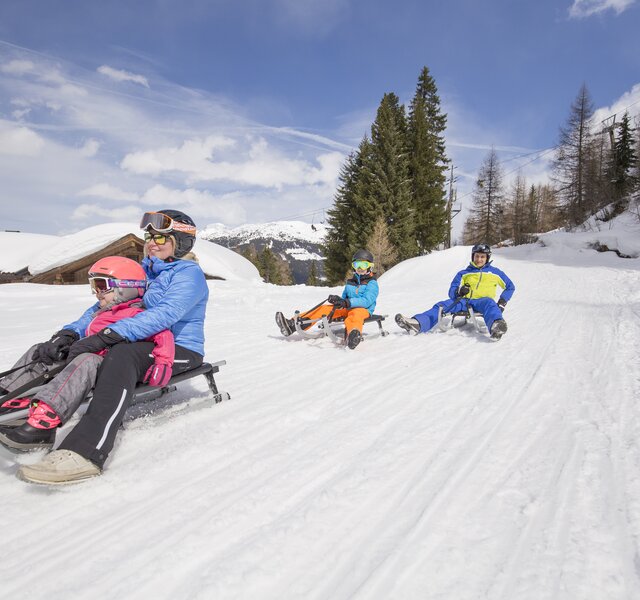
362, 292
176, 299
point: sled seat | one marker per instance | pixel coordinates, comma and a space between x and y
460, 318
142, 394
325, 326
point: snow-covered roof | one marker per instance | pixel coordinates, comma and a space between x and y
40, 253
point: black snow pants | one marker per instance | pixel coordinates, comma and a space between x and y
122, 368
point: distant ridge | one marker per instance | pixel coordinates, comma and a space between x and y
296, 242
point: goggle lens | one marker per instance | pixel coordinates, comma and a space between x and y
102, 285
362, 264
164, 224
158, 238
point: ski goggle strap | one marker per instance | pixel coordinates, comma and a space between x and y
362, 264
163, 224
100, 284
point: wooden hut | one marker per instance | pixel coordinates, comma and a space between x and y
76, 272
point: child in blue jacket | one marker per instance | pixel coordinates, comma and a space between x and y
357, 302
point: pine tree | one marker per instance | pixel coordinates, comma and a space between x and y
485, 223
345, 220
313, 279
518, 215
572, 158
623, 161
427, 164
386, 187
385, 255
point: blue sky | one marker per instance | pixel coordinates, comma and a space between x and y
241, 111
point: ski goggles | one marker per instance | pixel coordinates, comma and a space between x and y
163, 224
102, 285
362, 264
156, 238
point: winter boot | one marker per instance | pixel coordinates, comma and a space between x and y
287, 326
410, 325
354, 338
38, 432
498, 329
59, 467
14, 405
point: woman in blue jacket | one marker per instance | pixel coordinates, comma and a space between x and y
175, 299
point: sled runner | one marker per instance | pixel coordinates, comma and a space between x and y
332, 328
142, 395
460, 318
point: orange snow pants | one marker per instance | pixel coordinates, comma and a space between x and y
354, 317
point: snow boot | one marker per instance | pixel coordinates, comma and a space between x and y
498, 329
354, 338
59, 467
12, 406
408, 324
287, 326
38, 432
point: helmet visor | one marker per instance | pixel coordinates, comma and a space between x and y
163, 224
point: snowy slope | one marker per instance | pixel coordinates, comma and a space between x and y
440, 466
277, 230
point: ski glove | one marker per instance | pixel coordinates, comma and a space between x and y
158, 374
56, 348
463, 291
338, 301
502, 303
95, 343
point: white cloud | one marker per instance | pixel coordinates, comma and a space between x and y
120, 75
109, 192
93, 212
19, 141
195, 203
20, 113
17, 67
265, 166
585, 8
90, 148
629, 101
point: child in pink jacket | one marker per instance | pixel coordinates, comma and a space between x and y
119, 284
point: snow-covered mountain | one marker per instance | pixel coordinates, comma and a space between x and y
295, 241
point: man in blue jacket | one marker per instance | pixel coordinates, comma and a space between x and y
175, 299
474, 286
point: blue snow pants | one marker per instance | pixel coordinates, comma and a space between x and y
487, 306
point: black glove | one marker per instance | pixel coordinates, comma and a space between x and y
56, 348
463, 291
94, 343
502, 303
338, 301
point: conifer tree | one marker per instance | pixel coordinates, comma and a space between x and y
623, 162
343, 219
385, 255
485, 223
313, 279
386, 186
427, 164
572, 158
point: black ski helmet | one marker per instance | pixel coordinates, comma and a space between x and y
184, 241
362, 255
481, 249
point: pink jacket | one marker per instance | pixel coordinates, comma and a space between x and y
164, 351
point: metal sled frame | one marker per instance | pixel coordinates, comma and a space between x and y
326, 327
466, 316
146, 393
